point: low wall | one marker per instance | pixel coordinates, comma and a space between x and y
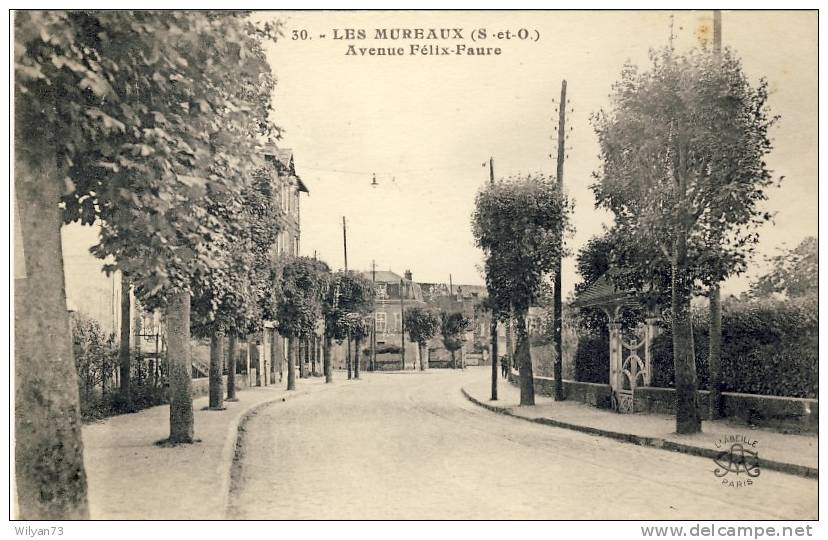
798, 415
597, 395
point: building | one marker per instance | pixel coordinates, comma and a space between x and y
466, 299
288, 187
287, 190
394, 294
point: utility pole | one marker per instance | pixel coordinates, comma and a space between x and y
493, 324
374, 323
451, 289
558, 304
345, 243
402, 325
717, 33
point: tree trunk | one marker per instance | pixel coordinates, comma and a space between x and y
453, 362
178, 353
49, 471
348, 357
291, 368
216, 382
297, 356
263, 357
494, 358
258, 361
687, 410
231, 367
303, 350
314, 353
326, 359
715, 356
275, 354
308, 355
422, 350
510, 350
282, 359
357, 343
524, 359
247, 359
124, 355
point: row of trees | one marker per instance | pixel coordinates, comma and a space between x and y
150, 124
423, 324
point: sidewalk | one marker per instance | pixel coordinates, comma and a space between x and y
788, 453
130, 477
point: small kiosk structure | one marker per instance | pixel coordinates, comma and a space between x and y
630, 355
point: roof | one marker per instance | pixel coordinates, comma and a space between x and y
412, 289
383, 276
442, 289
602, 292
479, 290
284, 156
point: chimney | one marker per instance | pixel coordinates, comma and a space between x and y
408, 275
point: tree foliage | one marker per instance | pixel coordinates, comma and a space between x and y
347, 299
303, 283
242, 292
452, 327
794, 272
520, 223
151, 114
682, 153
422, 324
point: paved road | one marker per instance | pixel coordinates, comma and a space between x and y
409, 446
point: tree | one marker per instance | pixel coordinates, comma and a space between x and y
95, 356
794, 272
452, 327
683, 170
357, 330
237, 295
303, 282
346, 293
123, 117
422, 325
520, 224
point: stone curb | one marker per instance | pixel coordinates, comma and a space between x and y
651, 442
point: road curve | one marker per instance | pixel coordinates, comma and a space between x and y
409, 446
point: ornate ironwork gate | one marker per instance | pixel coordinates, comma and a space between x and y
629, 364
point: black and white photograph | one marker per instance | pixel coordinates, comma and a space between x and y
369, 265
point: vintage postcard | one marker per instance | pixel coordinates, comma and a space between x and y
416, 265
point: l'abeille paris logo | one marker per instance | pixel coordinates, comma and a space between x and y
738, 460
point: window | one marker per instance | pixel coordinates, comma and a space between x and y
380, 322
397, 322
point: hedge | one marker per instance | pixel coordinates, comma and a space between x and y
592, 359
768, 348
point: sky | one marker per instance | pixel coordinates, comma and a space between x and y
426, 125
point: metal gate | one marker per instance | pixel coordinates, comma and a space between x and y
630, 365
